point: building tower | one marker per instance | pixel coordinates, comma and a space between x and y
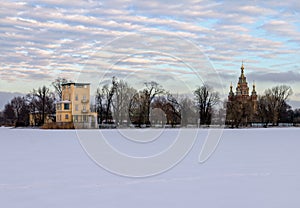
241, 105
75, 106
254, 97
242, 89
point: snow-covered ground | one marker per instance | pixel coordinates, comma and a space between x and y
250, 168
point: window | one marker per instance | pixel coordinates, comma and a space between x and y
84, 108
76, 107
76, 118
66, 106
76, 97
67, 116
58, 106
84, 97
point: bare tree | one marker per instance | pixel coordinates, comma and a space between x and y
17, 104
100, 109
104, 98
206, 98
43, 100
152, 89
138, 110
1, 118
296, 116
140, 104
121, 100
16, 112
286, 114
276, 99
21, 110
33, 104
170, 106
9, 114
173, 110
264, 109
188, 111
57, 84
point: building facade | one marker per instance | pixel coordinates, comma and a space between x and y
75, 106
36, 118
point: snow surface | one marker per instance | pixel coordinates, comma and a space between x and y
250, 168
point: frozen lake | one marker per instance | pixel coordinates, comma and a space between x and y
250, 168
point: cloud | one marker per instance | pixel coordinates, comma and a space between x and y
43, 39
281, 28
278, 77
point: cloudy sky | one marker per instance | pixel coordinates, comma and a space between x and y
178, 44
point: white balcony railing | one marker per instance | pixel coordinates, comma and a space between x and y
84, 100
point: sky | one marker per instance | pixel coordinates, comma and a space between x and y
179, 44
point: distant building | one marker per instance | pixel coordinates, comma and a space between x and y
242, 91
36, 118
241, 106
75, 106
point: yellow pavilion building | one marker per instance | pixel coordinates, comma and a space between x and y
75, 106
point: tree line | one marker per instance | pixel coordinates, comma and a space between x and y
39, 103
118, 103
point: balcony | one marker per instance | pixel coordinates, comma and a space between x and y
84, 101
84, 111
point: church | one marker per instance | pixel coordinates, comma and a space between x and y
241, 106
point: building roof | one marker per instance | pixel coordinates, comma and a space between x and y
63, 101
76, 84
